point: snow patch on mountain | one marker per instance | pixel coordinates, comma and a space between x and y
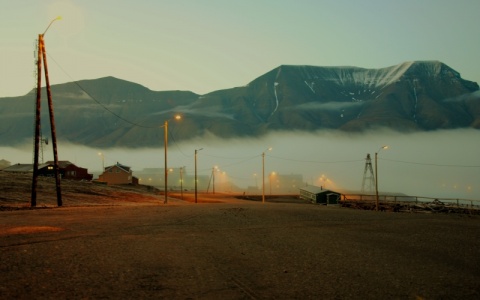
276, 98
372, 79
310, 85
416, 102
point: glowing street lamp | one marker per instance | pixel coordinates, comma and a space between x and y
272, 174
196, 151
165, 134
376, 177
215, 168
324, 180
181, 181
263, 173
103, 160
57, 18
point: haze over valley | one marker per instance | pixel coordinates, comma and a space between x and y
442, 163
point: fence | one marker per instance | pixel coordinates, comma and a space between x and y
410, 203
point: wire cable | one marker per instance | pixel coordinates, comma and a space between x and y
98, 102
315, 161
172, 136
430, 164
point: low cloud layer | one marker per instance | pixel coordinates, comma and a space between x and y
432, 164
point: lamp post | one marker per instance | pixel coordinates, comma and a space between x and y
103, 160
213, 180
165, 140
196, 151
181, 182
272, 174
376, 177
270, 182
263, 174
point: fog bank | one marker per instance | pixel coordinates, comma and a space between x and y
432, 164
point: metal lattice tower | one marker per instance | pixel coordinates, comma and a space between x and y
368, 182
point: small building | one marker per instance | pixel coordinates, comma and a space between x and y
316, 194
66, 169
118, 174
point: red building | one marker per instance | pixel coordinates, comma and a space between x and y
67, 170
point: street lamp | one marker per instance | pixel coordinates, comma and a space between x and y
323, 181
376, 177
196, 151
57, 18
215, 168
272, 174
181, 181
263, 173
165, 135
103, 160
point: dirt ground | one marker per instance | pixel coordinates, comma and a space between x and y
132, 245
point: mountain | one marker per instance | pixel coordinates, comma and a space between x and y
108, 112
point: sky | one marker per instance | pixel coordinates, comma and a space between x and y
203, 46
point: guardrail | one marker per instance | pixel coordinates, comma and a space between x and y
409, 203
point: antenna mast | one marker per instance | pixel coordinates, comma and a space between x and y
368, 182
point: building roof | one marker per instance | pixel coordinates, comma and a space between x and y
62, 164
119, 165
23, 167
316, 189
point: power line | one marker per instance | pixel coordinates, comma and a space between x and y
170, 133
430, 164
224, 157
238, 162
315, 161
98, 102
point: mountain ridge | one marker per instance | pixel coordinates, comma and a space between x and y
108, 112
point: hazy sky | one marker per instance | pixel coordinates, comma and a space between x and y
208, 45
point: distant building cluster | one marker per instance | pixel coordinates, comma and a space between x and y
67, 170
178, 179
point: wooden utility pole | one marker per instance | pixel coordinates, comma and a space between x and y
33, 200
43, 55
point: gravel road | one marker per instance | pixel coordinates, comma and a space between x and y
237, 250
